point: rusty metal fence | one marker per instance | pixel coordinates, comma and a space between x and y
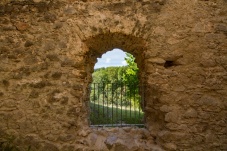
116, 105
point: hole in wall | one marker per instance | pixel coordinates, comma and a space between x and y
97, 45
169, 64
115, 100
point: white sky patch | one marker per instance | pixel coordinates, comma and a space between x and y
108, 60
115, 58
124, 63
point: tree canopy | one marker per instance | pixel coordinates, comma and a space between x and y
125, 74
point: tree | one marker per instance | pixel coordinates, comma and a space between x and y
130, 75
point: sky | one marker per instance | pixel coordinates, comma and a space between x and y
111, 58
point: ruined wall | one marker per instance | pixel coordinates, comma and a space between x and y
48, 50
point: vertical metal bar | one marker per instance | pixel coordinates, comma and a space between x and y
121, 102
143, 101
98, 104
130, 95
112, 102
116, 103
93, 112
134, 105
139, 100
107, 108
125, 101
103, 114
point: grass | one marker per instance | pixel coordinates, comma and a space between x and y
103, 115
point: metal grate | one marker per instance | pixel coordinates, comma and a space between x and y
116, 105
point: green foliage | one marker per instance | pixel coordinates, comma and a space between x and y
108, 75
125, 74
130, 75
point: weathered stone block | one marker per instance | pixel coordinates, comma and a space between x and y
170, 146
172, 117
110, 141
21, 26
191, 113
52, 57
56, 75
28, 43
66, 137
50, 147
159, 61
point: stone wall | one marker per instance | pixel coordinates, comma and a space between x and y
48, 50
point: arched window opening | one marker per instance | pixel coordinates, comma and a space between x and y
115, 92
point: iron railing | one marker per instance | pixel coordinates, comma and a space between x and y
116, 105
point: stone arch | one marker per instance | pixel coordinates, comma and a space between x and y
99, 44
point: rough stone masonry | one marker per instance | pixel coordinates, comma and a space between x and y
48, 49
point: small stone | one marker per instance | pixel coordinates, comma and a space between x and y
50, 147
210, 138
66, 137
21, 26
34, 94
92, 137
40, 84
170, 146
127, 129
67, 63
173, 56
72, 112
110, 141
180, 88
157, 61
70, 11
56, 75
49, 17
209, 101
202, 27
28, 43
5, 83
10, 103
146, 133
64, 100
68, 148
121, 146
172, 117
62, 45
172, 41
191, 113
160, 30
8, 28
48, 45
30, 60
83, 133
208, 63
37, 1
58, 25
221, 27
52, 57
165, 108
